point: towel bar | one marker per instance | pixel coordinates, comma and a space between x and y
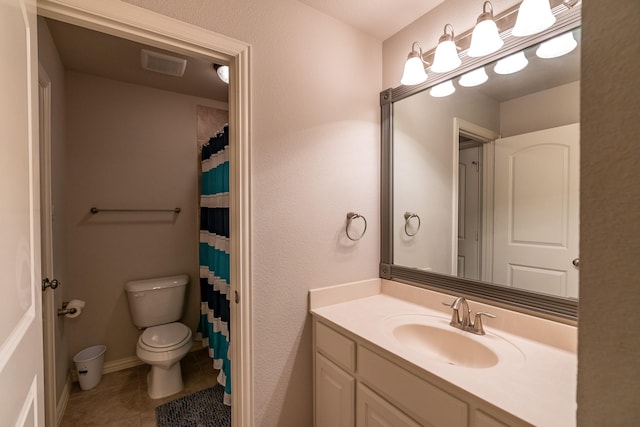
95, 210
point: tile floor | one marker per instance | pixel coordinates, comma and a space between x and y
121, 398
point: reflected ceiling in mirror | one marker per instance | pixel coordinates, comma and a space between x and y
489, 173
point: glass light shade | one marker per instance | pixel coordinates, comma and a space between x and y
533, 16
473, 78
511, 64
446, 57
414, 72
442, 90
557, 46
485, 39
223, 73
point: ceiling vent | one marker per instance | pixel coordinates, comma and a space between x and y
161, 63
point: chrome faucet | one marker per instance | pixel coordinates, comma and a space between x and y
460, 304
461, 317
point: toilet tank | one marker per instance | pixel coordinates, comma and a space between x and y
156, 301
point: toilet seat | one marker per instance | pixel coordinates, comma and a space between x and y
165, 338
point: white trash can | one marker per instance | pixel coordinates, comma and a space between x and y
89, 364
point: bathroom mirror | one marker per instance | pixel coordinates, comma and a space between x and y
480, 186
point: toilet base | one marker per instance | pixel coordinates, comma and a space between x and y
163, 382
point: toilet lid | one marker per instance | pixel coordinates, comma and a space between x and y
165, 335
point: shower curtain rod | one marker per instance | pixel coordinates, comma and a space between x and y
95, 210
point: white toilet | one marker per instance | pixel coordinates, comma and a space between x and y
156, 304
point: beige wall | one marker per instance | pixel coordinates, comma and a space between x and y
128, 146
546, 109
50, 62
608, 339
315, 157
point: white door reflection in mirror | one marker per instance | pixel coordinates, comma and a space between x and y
469, 211
536, 213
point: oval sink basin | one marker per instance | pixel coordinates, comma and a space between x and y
433, 338
447, 346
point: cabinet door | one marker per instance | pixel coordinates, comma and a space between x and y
334, 395
374, 411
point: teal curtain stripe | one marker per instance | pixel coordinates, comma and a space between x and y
216, 261
216, 180
218, 342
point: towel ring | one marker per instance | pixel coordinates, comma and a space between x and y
407, 218
350, 217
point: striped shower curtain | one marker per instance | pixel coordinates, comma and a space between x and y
214, 256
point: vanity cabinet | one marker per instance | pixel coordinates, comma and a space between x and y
358, 385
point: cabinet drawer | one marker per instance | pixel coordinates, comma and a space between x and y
336, 346
373, 411
484, 420
423, 401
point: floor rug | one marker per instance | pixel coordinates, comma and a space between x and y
201, 409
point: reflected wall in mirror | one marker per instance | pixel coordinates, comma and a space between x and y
482, 184
492, 172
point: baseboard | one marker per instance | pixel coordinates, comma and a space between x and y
61, 406
121, 364
127, 362
197, 345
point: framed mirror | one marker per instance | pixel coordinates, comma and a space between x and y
480, 177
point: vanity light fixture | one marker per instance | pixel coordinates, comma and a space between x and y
414, 72
557, 46
223, 72
485, 38
473, 78
511, 64
534, 16
446, 57
442, 90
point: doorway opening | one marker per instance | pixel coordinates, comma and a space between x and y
136, 24
470, 216
472, 200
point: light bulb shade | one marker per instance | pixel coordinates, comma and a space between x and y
446, 57
533, 16
557, 46
442, 90
484, 39
414, 72
511, 64
223, 73
473, 78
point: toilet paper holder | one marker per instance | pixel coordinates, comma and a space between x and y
71, 309
64, 310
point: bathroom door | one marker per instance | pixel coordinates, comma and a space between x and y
21, 371
536, 213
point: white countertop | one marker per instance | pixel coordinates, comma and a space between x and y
539, 389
